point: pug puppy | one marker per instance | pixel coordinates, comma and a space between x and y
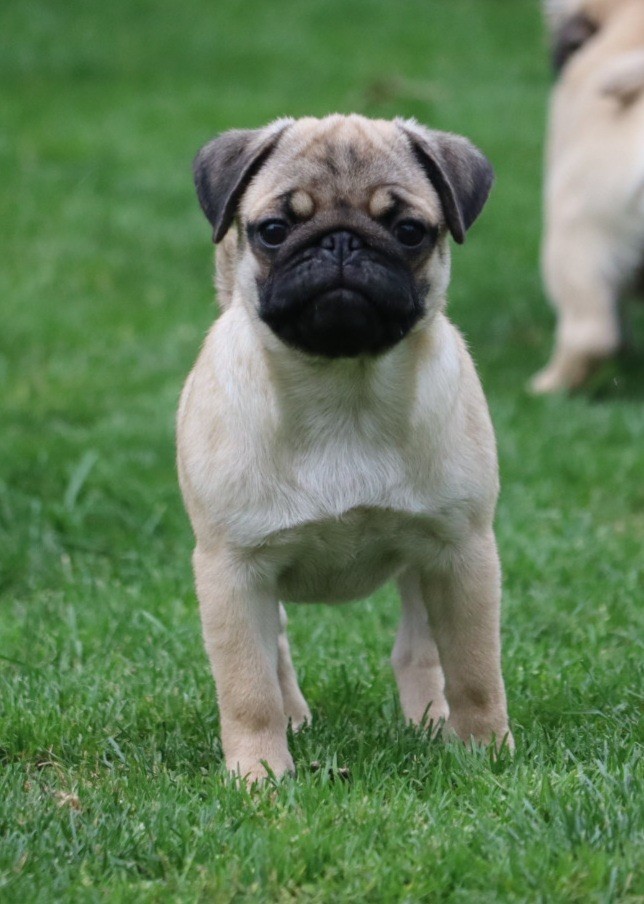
593, 242
333, 434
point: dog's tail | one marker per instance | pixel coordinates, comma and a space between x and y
625, 79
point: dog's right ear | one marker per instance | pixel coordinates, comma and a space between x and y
225, 166
570, 37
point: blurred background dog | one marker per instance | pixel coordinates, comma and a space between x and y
593, 242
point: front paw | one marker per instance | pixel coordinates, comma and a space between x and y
482, 729
257, 760
257, 773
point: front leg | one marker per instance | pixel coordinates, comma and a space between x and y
241, 626
463, 600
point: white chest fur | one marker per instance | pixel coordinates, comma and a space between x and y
327, 478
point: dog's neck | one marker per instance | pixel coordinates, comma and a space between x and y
368, 395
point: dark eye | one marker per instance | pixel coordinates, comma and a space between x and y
410, 233
272, 232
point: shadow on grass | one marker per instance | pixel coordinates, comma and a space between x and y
619, 380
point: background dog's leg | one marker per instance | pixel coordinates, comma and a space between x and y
241, 626
577, 272
463, 603
295, 706
415, 658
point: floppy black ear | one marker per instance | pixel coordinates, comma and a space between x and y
224, 167
569, 38
459, 172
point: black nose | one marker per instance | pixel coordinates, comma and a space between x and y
341, 243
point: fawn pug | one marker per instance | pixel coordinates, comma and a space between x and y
333, 434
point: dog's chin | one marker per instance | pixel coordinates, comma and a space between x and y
340, 323
340, 320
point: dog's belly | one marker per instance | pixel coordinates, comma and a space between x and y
347, 558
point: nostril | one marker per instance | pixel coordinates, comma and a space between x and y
341, 242
329, 242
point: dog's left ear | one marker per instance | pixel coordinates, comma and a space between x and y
459, 172
225, 166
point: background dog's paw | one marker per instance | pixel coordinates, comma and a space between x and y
569, 371
548, 380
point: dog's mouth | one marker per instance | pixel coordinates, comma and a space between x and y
363, 306
337, 323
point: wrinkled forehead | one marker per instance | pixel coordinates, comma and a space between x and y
324, 164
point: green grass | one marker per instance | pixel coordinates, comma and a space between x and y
111, 783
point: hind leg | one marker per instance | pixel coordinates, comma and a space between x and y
415, 659
295, 706
582, 278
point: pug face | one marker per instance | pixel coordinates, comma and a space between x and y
342, 232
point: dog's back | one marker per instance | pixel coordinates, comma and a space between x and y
597, 81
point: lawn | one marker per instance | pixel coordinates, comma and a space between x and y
111, 780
